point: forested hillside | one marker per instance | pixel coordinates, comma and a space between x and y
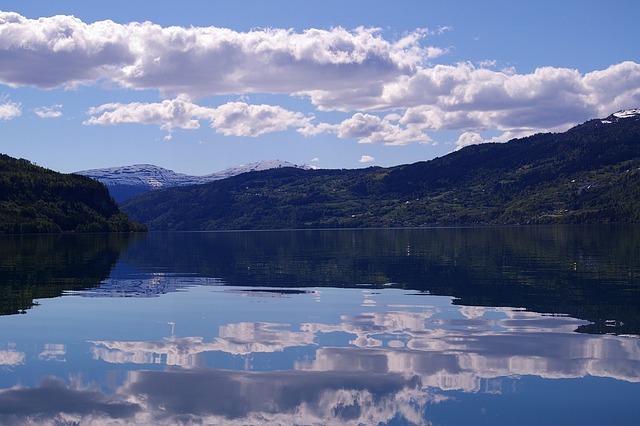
36, 200
589, 174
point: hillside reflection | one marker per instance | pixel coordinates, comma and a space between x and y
591, 273
43, 266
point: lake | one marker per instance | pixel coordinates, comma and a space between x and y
517, 325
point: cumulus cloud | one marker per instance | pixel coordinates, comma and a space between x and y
69, 50
231, 119
463, 97
462, 93
359, 72
53, 111
168, 114
241, 119
366, 159
199, 60
468, 138
9, 110
368, 128
467, 98
616, 88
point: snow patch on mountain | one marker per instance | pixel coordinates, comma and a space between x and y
627, 113
140, 175
253, 167
621, 115
154, 177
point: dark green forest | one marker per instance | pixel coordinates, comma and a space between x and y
34, 199
589, 174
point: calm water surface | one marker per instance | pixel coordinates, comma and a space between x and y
400, 327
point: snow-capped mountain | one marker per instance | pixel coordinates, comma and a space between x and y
147, 175
124, 182
254, 167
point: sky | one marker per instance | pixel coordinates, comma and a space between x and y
200, 85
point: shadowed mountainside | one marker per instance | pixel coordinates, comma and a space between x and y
588, 174
37, 200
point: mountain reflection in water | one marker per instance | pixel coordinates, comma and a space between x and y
342, 327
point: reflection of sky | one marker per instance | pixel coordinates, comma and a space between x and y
447, 353
356, 357
236, 339
53, 352
221, 397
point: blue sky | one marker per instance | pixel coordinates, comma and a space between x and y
199, 86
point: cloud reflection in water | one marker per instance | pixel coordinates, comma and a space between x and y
395, 364
384, 364
11, 357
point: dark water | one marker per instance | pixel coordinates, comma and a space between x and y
436, 326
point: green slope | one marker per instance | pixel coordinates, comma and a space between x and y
36, 200
589, 174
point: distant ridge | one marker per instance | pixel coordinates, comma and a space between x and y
588, 174
127, 181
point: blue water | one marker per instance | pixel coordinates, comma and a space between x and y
326, 327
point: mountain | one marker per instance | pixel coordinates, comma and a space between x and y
34, 199
588, 174
125, 182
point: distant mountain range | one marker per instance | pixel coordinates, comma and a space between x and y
127, 181
588, 174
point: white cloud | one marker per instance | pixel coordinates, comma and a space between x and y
366, 159
9, 110
370, 129
199, 60
311, 129
241, 119
53, 111
69, 50
468, 138
488, 63
613, 89
434, 118
360, 126
463, 97
354, 71
231, 119
168, 114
